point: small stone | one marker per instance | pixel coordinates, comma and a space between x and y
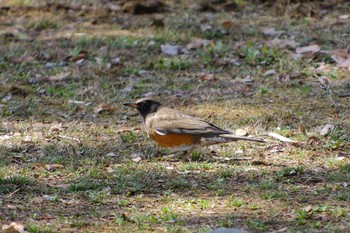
111, 154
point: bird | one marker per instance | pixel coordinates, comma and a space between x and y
177, 131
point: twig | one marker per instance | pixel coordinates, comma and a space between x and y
9, 195
280, 137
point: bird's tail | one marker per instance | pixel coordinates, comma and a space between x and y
232, 137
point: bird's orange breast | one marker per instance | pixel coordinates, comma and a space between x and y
173, 140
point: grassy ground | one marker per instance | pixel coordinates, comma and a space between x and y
73, 159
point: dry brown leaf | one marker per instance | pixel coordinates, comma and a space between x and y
338, 55
38, 165
308, 49
22, 59
343, 53
345, 64
308, 208
57, 127
13, 228
281, 43
53, 166
272, 32
226, 62
82, 55
198, 43
227, 24
103, 107
59, 77
207, 77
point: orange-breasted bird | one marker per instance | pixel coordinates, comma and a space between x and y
176, 131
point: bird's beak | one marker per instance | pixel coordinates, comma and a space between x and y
130, 104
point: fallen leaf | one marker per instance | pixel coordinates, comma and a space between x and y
308, 208
308, 49
345, 64
13, 228
227, 24
22, 59
38, 165
226, 62
338, 55
281, 43
207, 77
103, 107
326, 129
272, 32
59, 77
137, 159
53, 166
57, 127
198, 43
82, 55
170, 49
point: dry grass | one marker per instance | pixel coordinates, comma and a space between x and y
67, 167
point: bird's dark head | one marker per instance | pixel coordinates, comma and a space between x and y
145, 106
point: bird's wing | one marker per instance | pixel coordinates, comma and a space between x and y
167, 121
